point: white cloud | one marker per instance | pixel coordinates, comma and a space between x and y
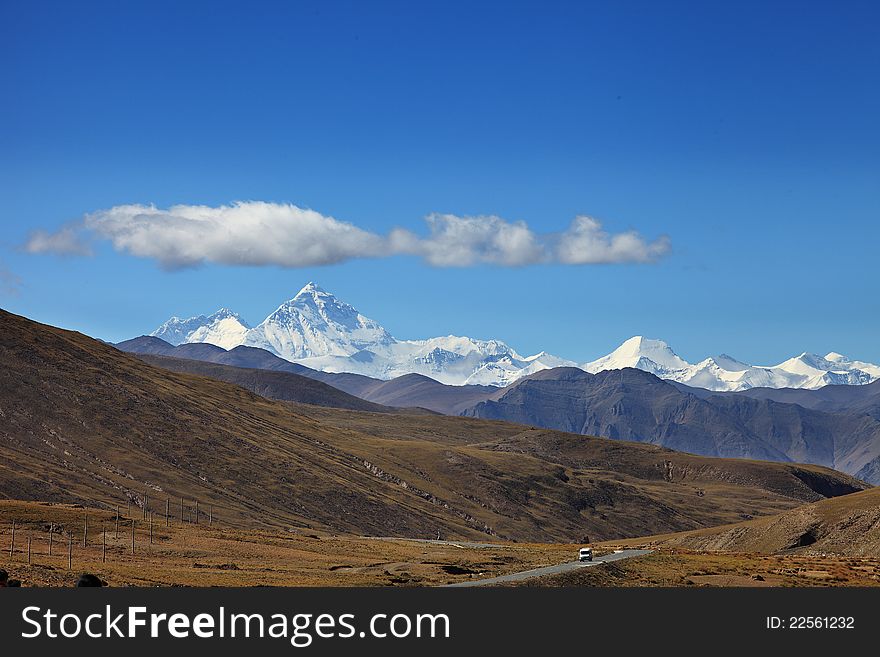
67, 240
257, 233
586, 243
252, 233
465, 241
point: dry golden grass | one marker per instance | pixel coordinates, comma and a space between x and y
186, 555
846, 526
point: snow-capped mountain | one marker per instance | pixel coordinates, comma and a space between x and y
819, 371
724, 373
319, 331
315, 324
652, 356
841, 361
223, 328
504, 369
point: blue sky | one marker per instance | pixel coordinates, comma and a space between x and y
745, 132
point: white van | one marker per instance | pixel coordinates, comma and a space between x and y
585, 554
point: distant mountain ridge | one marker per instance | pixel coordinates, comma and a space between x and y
835, 426
317, 330
272, 384
630, 404
409, 390
833, 399
727, 374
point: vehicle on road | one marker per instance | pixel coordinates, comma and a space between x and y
585, 554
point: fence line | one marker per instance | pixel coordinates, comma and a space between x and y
148, 531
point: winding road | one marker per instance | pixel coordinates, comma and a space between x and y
554, 570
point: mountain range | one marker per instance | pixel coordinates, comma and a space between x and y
87, 423
725, 373
317, 330
630, 404
836, 426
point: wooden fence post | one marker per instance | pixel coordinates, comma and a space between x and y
86, 530
117, 522
103, 543
210, 515
145, 505
12, 547
197, 512
132, 535
29, 549
151, 528
70, 551
51, 528
167, 509
128, 512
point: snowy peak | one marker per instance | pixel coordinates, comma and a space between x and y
806, 364
223, 328
643, 353
314, 296
311, 288
728, 363
323, 308
176, 330
641, 347
315, 323
816, 371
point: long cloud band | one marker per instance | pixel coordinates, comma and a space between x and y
256, 233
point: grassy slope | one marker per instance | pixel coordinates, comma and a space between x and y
845, 526
190, 555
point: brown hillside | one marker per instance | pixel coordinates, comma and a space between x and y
846, 526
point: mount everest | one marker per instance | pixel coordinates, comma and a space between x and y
319, 331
